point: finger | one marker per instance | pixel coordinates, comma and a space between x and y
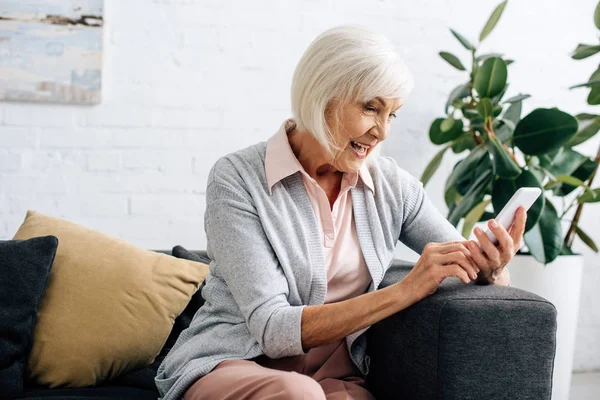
449, 247
505, 241
479, 258
517, 228
457, 271
488, 247
459, 258
471, 259
445, 248
467, 263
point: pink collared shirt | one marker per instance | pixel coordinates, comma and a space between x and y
347, 272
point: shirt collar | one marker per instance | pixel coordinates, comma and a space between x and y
281, 162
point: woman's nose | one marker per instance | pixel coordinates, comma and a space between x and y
381, 132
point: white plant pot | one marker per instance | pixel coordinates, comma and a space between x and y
560, 283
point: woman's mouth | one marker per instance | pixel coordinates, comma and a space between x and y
360, 150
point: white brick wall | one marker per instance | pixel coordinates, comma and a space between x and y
187, 81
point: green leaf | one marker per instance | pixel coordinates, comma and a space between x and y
459, 92
508, 62
583, 173
467, 45
496, 111
504, 189
473, 217
466, 165
452, 60
586, 116
504, 165
513, 112
463, 142
492, 21
437, 136
484, 57
597, 16
584, 51
490, 79
484, 107
518, 97
472, 197
587, 84
571, 180
539, 174
586, 239
544, 240
451, 196
504, 129
466, 181
594, 96
496, 99
544, 130
591, 196
499, 122
565, 161
433, 166
587, 129
447, 124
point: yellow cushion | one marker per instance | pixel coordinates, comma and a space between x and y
108, 307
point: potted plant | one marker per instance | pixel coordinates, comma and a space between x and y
505, 152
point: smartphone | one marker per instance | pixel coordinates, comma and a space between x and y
525, 197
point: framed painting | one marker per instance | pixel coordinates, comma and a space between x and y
51, 51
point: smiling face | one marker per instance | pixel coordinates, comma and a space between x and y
358, 128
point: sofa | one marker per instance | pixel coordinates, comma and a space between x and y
462, 342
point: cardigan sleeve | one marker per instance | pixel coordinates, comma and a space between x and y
422, 221
245, 260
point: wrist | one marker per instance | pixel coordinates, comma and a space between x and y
404, 295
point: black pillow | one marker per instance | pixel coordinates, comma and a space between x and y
24, 269
185, 318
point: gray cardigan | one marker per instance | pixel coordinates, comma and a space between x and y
267, 262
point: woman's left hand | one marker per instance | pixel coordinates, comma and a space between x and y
493, 259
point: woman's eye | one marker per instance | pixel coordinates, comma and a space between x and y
371, 108
392, 115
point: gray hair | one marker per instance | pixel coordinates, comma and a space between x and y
348, 62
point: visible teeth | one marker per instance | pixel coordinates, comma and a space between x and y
360, 145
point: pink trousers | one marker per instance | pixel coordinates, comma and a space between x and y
325, 372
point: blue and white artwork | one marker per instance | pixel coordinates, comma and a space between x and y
51, 50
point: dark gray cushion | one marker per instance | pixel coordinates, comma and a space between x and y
185, 318
464, 342
24, 269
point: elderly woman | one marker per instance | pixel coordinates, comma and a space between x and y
301, 230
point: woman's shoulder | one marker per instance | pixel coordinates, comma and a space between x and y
240, 165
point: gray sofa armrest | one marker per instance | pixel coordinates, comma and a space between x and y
464, 342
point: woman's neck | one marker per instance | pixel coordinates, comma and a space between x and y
311, 155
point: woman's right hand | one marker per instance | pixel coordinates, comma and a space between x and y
437, 262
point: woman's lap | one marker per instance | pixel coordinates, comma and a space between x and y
244, 380
327, 373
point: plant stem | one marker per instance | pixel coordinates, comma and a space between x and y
488, 126
476, 138
570, 206
571, 232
